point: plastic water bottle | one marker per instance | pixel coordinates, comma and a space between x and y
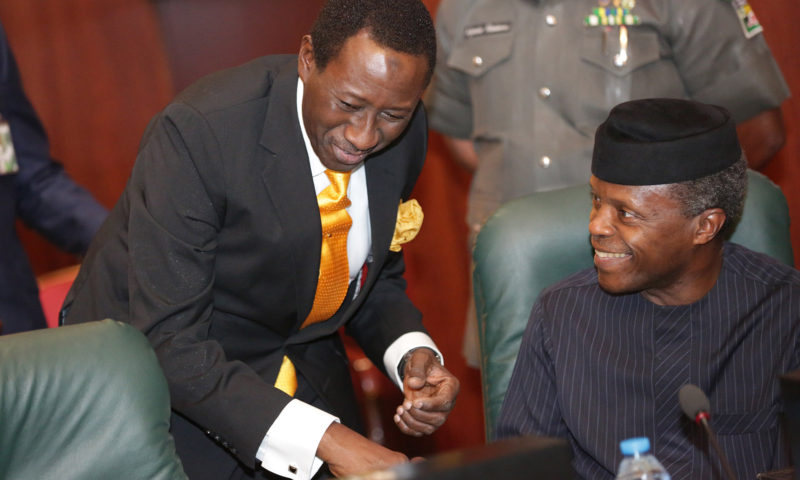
638, 464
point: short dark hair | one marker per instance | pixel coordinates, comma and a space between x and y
402, 25
725, 189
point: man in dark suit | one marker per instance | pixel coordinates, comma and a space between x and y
221, 249
35, 189
669, 302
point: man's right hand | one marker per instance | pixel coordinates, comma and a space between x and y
348, 453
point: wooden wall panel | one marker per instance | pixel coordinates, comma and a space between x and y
203, 36
95, 71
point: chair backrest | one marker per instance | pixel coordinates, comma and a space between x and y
537, 240
84, 401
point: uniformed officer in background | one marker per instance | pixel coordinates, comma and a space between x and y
521, 85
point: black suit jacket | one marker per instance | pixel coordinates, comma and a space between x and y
213, 251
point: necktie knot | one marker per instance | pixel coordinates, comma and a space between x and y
338, 179
334, 197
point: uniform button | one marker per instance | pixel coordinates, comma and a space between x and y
551, 20
544, 92
545, 161
477, 61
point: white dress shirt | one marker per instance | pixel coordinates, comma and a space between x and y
290, 445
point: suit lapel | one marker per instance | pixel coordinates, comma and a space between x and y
384, 191
287, 177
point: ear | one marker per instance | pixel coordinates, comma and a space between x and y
709, 224
305, 59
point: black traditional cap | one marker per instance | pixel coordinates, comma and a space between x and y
661, 140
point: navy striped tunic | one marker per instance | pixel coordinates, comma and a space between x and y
597, 369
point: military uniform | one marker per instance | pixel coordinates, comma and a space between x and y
530, 80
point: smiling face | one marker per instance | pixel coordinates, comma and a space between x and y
643, 243
361, 101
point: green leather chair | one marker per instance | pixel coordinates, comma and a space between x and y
535, 241
86, 401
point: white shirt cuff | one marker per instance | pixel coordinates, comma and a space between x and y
290, 446
401, 346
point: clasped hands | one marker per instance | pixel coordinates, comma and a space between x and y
429, 392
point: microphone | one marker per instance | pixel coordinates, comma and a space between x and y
695, 405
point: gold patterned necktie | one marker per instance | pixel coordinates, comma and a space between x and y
334, 270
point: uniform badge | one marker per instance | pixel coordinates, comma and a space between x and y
611, 13
489, 28
614, 13
747, 18
8, 159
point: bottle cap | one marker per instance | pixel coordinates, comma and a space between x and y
634, 446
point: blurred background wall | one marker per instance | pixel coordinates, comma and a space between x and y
98, 70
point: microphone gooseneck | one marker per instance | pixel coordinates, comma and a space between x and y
696, 406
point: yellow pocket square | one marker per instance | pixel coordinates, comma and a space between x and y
409, 221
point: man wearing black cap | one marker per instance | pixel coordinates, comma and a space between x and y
669, 302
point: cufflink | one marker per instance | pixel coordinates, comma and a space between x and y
293, 469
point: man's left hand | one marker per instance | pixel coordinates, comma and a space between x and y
430, 393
